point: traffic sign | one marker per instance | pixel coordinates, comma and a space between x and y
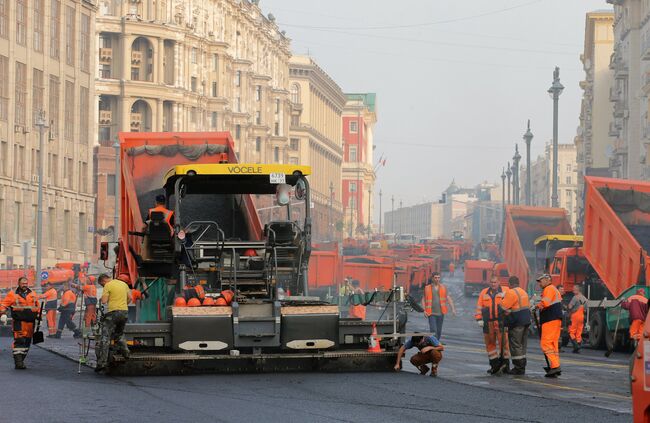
44, 275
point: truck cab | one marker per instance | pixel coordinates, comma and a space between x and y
477, 276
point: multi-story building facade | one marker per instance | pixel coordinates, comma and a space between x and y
46, 66
217, 65
541, 181
315, 139
630, 104
359, 118
597, 133
422, 220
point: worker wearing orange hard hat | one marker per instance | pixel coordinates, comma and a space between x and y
550, 319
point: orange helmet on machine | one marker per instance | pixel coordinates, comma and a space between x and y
194, 302
179, 302
208, 301
228, 295
220, 302
250, 253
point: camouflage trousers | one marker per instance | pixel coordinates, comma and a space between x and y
112, 331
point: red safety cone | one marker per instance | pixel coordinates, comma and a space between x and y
373, 343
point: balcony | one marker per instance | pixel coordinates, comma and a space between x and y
136, 122
105, 117
105, 55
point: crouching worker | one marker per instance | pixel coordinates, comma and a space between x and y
116, 296
430, 351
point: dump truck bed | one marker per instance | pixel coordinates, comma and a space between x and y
523, 225
617, 230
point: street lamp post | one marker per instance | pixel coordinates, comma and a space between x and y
329, 212
509, 175
528, 137
555, 91
41, 123
116, 223
515, 164
380, 216
503, 190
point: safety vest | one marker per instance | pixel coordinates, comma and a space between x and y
90, 294
50, 296
168, 214
69, 300
551, 305
487, 305
428, 299
24, 305
517, 303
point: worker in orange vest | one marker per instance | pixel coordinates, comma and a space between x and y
66, 312
89, 291
637, 305
577, 312
490, 320
50, 297
358, 311
550, 318
434, 303
516, 309
168, 214
24, 312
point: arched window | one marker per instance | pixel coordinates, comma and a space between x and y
295, 94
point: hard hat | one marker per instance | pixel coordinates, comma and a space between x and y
208, 301
228, 295
179, 302
544, 276
220, 302
250, 253
194, 302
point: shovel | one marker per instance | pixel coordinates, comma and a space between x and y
38, 337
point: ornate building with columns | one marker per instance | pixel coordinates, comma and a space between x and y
182, 65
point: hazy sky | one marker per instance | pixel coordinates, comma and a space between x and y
455, 80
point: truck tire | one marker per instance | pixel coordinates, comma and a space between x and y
597, 330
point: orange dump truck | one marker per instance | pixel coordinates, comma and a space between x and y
523, 225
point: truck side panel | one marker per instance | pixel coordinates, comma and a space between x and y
612, 250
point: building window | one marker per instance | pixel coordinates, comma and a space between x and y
194, 52
110, 185
568, 167
83, 114
238, 79
84, 43
55, 28
258, 144
193, 84
295, 94
193, 115
18, 222
277, 106
352, 154
21, 22
294, 144
258, 118
214, 119
276, 129
214, 89
215, 62
66, 229
237, 132
4, 18
352, 203
68, 130
238, 104
21, 94
258, 93
353, 187
82, 231
39, 24
38, 91
568, 180
295, 120
4, 88
293, 161
354, 126
54, 105
276, 154
69, 35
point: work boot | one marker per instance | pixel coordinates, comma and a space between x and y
57, 335
553, 372
19, 361
76, 334
505, 366
517, 371
423, 369
576, 347
495, 365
